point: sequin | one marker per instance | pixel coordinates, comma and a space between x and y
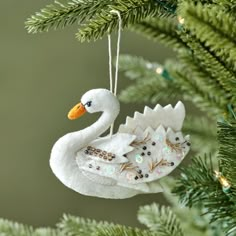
110, 170
179, 156
158, 171
129, 176
138, 158
166, 150
159, 138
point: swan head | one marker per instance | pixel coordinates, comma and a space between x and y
95, 100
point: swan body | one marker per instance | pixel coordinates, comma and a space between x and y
146, 148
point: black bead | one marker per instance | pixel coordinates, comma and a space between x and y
172, 163
144, 147
90, 166
86, 151
153, 143
142, 154
136, 177
188, 143
146, 175
149, 153
98, 167
141, 176
177, 138
113, 156
139, 171
124, 155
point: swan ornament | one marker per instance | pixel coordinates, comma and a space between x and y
146, 148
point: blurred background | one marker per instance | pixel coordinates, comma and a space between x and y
42, 77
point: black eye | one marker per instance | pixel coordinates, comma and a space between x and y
89, 104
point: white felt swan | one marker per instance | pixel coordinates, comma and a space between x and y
148, 147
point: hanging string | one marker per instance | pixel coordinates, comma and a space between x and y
117, 60
110, 62
117, 50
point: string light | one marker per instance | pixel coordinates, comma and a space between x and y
163, 72
159, 70
180, 20
180, 25
224, 182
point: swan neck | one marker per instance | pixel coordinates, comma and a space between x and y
101, 125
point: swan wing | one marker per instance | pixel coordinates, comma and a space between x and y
153, 156
168, 117
102, 170
156, 154
110, 149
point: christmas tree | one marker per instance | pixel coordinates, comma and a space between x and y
202, 33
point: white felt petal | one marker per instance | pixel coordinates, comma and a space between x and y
166, 116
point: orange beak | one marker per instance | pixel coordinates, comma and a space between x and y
77, 111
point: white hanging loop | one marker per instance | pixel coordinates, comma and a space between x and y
117, 59
117, 50
110, 62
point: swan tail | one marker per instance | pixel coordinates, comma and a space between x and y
168, 117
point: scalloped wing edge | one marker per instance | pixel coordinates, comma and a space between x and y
167, 116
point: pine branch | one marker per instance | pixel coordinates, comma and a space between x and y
168, 5
131, 11
189, 82
227, 152
191, 91
160, 219
203, 134
160, 30
47, 232
197, 182
151, 90
198, 187
14, 229
205, 82
60, 15
212, 26
211, 64
74, 226
225, 3
193, 220
136, 68
118, 230
150, 86
9, 228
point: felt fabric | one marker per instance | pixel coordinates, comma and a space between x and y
130, 162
